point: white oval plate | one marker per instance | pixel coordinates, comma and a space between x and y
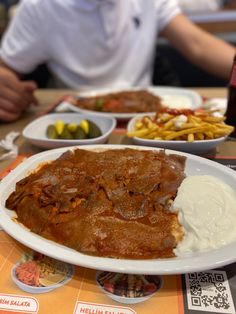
174, 97
189, 263
196, 147
35, 132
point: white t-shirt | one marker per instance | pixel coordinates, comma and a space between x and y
85, 43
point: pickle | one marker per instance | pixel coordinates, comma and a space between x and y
99, 104
52, 132
79, 134
72, 127
66, 135
94, 130
84, 124
69, 131
60, 125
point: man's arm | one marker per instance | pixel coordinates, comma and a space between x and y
23, 48
199, 47
15, 95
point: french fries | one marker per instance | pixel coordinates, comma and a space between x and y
181, 125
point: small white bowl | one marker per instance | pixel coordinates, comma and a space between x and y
35, 132
196, 147
129, 300
37, 290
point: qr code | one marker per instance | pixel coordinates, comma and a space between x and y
209, 291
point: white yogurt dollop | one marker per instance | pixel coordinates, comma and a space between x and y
206, 209
176, 102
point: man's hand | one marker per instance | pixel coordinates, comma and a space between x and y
15, 95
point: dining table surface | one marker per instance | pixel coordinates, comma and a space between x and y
211, 291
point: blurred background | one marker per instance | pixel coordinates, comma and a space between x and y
215, 16
170, 68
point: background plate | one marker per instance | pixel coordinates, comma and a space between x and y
189, 263
173, 97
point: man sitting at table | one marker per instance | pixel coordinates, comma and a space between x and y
97, 43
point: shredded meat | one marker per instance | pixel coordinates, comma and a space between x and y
122, 102
113, 203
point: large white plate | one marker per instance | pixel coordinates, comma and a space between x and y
190, 263
173, 97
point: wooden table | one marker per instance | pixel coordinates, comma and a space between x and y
218, 27
47, 97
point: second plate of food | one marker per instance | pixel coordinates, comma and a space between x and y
182, 130
68, 129
124, 104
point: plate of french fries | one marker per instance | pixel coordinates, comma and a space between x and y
183, 130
